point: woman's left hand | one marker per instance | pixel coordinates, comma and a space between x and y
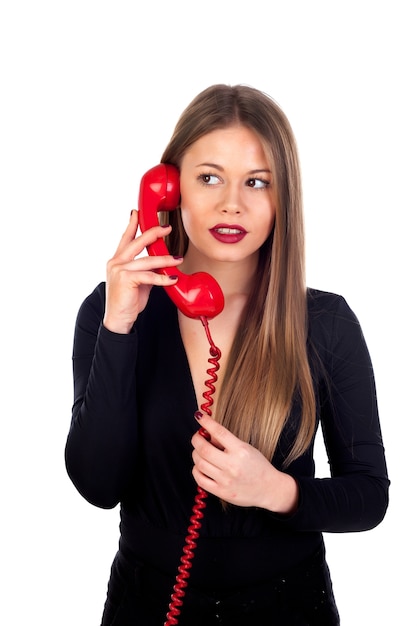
238, 473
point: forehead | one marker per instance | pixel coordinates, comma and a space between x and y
234, 143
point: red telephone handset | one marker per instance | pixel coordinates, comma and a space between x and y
196, 295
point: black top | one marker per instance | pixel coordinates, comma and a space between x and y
133, 418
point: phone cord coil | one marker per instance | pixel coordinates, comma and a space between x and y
201, 495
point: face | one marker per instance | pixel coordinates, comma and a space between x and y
226, 196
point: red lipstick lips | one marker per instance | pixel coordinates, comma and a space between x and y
228, 233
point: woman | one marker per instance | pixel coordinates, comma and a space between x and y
291, 358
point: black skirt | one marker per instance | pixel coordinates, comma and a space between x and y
140, 596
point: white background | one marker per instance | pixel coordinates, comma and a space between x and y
90, 93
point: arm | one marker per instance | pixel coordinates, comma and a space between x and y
355, 498
101, 449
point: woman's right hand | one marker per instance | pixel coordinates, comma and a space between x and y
130, 279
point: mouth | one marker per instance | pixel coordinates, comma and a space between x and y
228, 233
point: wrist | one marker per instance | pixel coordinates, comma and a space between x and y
117, 326
283, 494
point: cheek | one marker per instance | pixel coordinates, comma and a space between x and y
184, 211
191, 211
187, 219
269, 221
184, 203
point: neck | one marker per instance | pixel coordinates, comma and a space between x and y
234, 277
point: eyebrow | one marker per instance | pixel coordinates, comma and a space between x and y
221, 169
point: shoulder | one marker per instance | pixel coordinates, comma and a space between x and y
92, 308
326, 305
319, 302
330, 319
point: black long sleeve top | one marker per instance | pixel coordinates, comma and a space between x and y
133, 418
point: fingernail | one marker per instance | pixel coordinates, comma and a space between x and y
198, 415
173, 277
165, 225
177, 257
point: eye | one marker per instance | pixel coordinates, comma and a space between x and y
208, 179
257, 183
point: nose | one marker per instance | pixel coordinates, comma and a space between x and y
231, 202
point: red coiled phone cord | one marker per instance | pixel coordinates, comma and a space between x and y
200, 498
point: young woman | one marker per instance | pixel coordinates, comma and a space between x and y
291, 358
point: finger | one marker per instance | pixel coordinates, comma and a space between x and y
201, 435
208, 457
140, 277
203, 467
218, 434
207, 482
131, 246
151, 263
130, 232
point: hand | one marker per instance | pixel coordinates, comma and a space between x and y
130, 279
238, 473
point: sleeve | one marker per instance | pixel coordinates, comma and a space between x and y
355, 497
101, 448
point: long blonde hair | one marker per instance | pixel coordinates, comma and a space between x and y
268, 368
